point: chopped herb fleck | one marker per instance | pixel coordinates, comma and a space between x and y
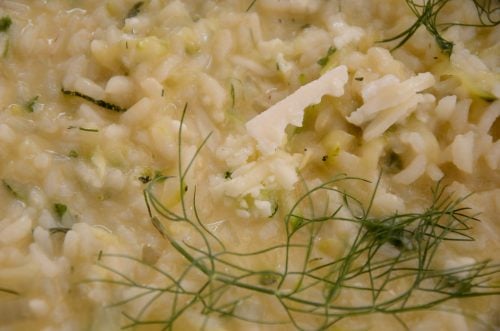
324, 60
251, 5
6, 290
11, 189
30, 105
60, 209
135, 10
5, 23
100, 103
275, 210
145, 179
233, 98
359, 79
324, 158
72, 153
228, 174
82, 128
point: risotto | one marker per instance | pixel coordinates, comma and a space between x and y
249, 165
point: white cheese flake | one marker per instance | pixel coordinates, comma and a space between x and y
268, 128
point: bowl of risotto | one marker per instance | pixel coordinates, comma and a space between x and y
249, 165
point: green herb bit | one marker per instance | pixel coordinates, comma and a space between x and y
228, 174
60, 209
324, 60
251, 5
5, 23
8, 291
233, 97
427, 15
73, 154
135, 10
100, 103
30, 105
144, 179
10, 188
82, 128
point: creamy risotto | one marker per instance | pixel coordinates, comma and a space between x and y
249, 165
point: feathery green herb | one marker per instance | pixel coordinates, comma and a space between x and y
427, 15
100, 103
308, 289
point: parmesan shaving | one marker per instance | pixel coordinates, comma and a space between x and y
268, 128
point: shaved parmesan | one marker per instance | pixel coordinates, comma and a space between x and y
268, 128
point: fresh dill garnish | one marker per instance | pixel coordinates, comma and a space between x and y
324, 60
427, 15
251, 5
30, 105
5, 23
100, 103
359, 79
228, 174
305, 286
60, 209
135, 10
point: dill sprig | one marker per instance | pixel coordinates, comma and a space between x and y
387, 264
427, 15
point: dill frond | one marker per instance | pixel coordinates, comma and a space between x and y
308, 291
427, 13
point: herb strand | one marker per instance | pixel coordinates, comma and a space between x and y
100, 103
